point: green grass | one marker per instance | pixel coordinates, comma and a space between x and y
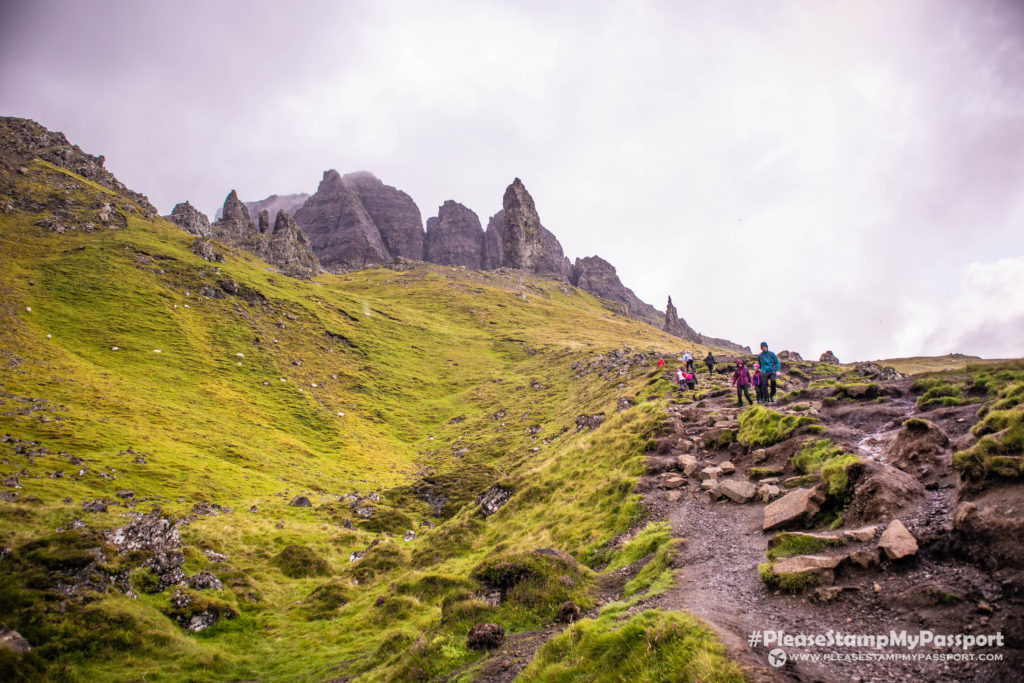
832, 463
760, 426
787, 544
999, 452
650, 646
376, 381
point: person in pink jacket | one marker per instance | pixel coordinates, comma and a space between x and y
741, 380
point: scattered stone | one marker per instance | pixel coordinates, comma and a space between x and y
796, 504
710, 472
205, 581
214, 556
9, 496
365, 511
159, 535
985, 608
727, 467
409, 535
300, 502
254, 509
673, 496
687, 463
12, 640
94, 506
820, 566
673, 482
768, 492
624, 403
760, 455
493, 499
485, 636
11, 482
205, 508
897, 542
590, 422
346, 523
738, 491
864, 558
125, 493
830, 593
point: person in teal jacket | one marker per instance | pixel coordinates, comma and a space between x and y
769, 364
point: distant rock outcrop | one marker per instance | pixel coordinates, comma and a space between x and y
595, 275
525, 243
289, 203
828, 357
287, 248
454, 237
190, 219
392, 211
676, 326
341, 231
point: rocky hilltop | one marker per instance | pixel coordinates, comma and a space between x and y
287, 247
356, 221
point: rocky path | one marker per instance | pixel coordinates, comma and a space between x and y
723, 543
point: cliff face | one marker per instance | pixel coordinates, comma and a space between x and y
598, 277
525, 243
454, 237
287, 248
190, 219
289, 203
392, 211
340, 230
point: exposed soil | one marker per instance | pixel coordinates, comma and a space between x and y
717, 578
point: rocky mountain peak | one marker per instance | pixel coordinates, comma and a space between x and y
190, 219
289, 248
454, 237
394, 214
524, 243
598, 277
234, 220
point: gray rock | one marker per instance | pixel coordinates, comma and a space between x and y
393, 212
300, 502
828, 357
595, 275
821, 566
190, 219
524, 243
205, 581
289, 249
94, 506
493, 499
738, 491
125, 493
485, 636
340, 230
159, 535
454, 237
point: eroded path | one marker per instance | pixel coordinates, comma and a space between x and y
723, 543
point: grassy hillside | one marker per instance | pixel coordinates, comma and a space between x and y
131, 364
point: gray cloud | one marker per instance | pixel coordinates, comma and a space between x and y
814, 174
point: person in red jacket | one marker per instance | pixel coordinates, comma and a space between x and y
661, 363
741, 380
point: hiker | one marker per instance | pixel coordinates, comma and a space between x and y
769, 363
741, 380
709, 361
661, 363
681, 378
688, 361
691, 381
759, 388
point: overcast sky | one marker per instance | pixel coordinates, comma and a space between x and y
822, 175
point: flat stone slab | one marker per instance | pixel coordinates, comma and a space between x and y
897, 542
738, 491
791, 507
814, 564
863, 534
687, 463
710, 472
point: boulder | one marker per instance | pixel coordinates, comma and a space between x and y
710, 472
881, 492
159, 536
300, 502
795, 505
738, 491
727, 467
820, 566
768, 492
687, 464
897, 542
94, 506
863, 534
673, 482
493, 499
918, 443
569, 612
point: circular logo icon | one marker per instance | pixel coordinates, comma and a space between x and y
777, 657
